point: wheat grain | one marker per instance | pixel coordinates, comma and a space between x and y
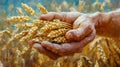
28, 9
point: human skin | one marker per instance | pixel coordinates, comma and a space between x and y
85, 28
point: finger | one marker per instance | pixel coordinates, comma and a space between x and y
79, 33
76, 47
45, 51
68, 48
51, 46
69, 17
83, 26
85, 41
57, 48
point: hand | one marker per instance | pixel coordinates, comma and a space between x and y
84, 29
83, 32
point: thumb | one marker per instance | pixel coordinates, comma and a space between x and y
80, 33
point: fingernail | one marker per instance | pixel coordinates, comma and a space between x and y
69, 35
36, 45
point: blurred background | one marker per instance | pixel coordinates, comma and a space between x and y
102, 52
8, 6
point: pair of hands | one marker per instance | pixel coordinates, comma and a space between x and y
83, 32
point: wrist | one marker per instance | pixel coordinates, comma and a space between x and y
100, 19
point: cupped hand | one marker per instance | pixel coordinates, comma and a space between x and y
83, 32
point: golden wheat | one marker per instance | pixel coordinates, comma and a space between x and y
30, 34
42, 9
61, 39
18, 36
28, 9
56, 33
18, 19
24, 26
19, 11
102, 52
